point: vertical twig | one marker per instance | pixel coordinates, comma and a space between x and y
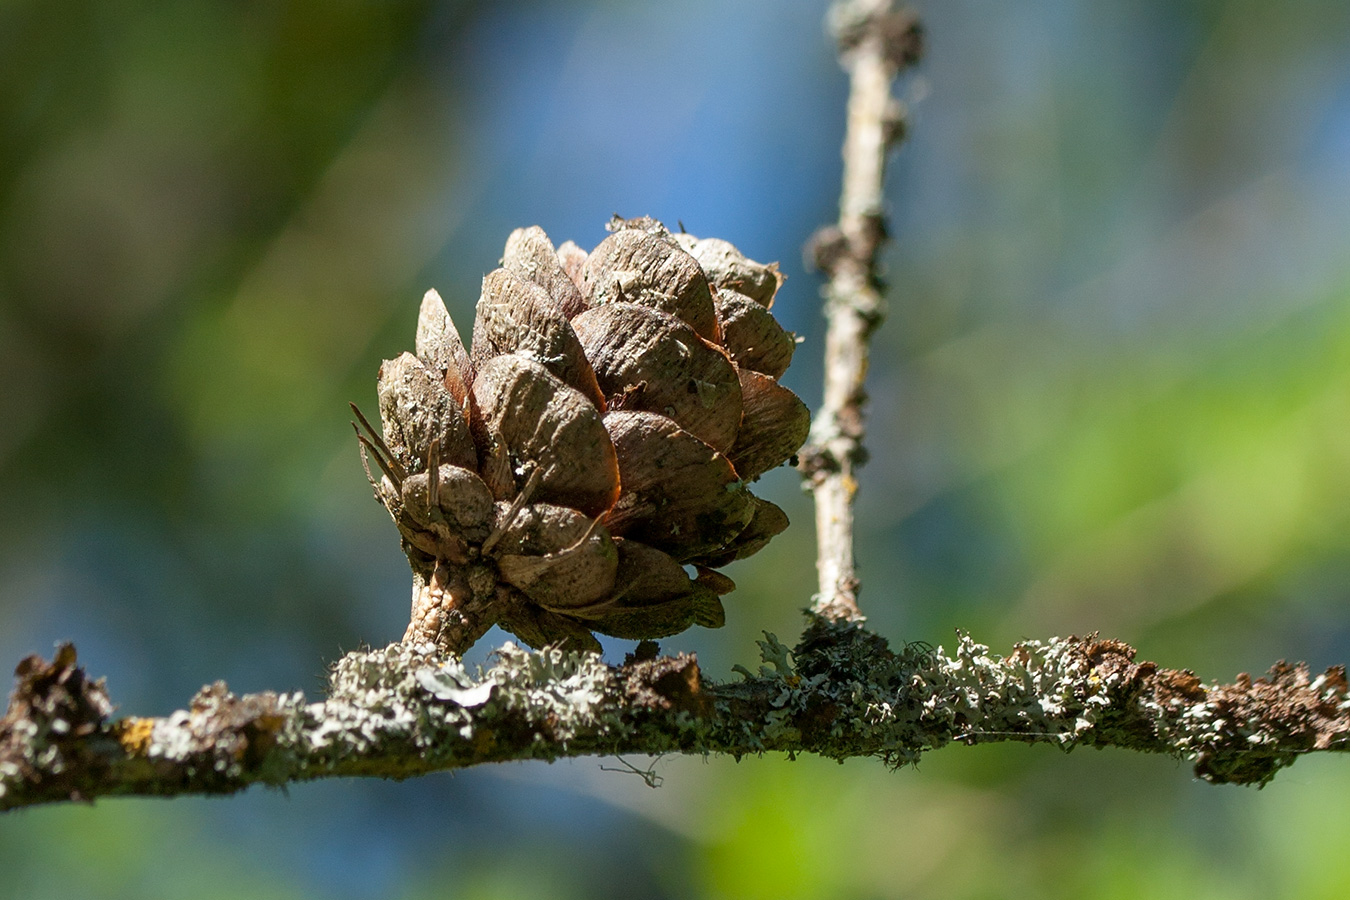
876, 41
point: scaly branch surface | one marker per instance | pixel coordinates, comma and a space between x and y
876, 42
407, 709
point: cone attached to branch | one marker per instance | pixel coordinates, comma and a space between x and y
562, 475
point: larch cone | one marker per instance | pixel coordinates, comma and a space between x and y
596, 440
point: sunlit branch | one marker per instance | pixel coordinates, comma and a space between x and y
876, 41
406, 710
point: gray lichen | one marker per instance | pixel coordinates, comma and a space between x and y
410, 697
407, 709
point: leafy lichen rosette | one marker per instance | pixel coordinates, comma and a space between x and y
596, 442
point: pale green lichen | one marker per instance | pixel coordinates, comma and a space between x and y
407, 709
1041, 690
851, 696
412, 695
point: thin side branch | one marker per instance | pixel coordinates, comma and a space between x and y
876, 42
406, 709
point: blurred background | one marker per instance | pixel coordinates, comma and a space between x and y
1112, 394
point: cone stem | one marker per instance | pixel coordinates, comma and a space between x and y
876, 41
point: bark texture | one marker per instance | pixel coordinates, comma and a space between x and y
877, 40
408, 709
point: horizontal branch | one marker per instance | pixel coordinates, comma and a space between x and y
405, 710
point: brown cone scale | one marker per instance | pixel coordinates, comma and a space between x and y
649, 360
517, 316
774, 426
559, 558
440, 347
417, 410
546, 427
752, 336
634, 266
530, 255
676, 492
729, 268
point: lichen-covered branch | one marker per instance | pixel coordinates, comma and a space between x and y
876, 41
407, 709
